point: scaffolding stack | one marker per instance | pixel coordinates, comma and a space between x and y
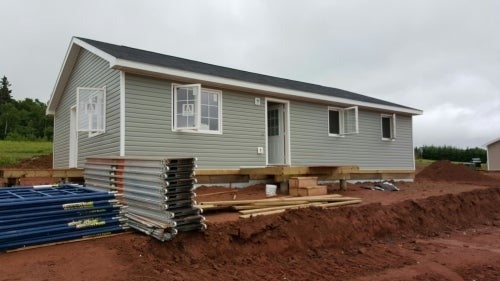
158, 192
31, 216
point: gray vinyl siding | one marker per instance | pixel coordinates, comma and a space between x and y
148, 127
311, 144
89, 71
149, 132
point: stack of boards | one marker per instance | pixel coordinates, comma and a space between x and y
32, 216
259, 207
157, 191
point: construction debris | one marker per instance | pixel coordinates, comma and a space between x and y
382, 186
157, 191
252, 208
32, 216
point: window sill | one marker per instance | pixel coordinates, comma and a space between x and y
336, 136
386, 139
95, 134
198, 132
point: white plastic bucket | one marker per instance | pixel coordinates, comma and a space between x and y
270, 190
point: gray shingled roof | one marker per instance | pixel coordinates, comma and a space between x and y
141, 56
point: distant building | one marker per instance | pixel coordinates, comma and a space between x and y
493, 152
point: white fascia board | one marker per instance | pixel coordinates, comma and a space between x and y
67, 66
176, 73
62, 78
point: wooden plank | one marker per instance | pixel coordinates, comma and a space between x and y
278, 210
243, 207
326, 172
65, 242
273, 170
312, 191
337, 204
330, 170
217, 172
296, 170
286, 207
336, 177
260, 177
211, 207
67, 173
262, 214
382, 175
278, 203
221, 179
217, 193
322, 198
384, 172
298, 182
41, 173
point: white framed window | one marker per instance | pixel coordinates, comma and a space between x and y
196, 109
388, 125
342, 121
91, 110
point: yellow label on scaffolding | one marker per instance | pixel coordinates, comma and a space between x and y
87, 223
83, 221
78, 205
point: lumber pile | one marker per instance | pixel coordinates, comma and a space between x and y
252, 208
32, 216
157, 191
305, 186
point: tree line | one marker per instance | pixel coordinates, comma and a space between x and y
450, 153
23, 119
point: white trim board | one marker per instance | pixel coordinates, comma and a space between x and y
122, 113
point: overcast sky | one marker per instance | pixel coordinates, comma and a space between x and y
440, 56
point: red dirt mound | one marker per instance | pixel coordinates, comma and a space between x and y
37, 162
305, 244
446, 171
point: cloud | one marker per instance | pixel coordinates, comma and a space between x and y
439, 56
462, 126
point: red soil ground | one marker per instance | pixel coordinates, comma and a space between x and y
429, 230
37, 162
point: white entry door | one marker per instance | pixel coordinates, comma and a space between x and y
73, 139
276, 133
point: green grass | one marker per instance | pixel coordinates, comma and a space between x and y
13, 151
427, 162
424, 162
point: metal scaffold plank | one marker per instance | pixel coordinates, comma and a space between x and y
158, 191
31, 216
